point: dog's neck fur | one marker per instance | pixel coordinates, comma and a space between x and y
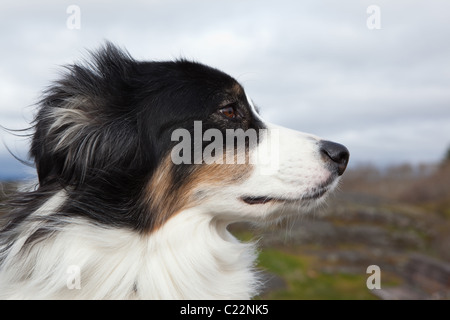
192, 256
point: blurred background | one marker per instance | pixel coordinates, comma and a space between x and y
372, 75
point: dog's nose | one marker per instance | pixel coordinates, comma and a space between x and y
336, 154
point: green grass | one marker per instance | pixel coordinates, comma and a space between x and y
306, 283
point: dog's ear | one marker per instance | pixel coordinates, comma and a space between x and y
83, 128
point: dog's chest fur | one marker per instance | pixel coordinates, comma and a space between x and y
192, 256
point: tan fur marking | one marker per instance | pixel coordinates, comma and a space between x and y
237, 90
165, 203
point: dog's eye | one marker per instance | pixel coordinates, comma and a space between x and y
230, 112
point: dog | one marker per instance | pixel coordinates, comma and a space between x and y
128, 206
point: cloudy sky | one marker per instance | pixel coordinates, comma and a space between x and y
380, 84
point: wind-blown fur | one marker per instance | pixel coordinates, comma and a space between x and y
114, 218
118, 264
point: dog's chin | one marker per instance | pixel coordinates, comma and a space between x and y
279, 207
311, 196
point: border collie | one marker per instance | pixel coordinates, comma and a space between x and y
124, 210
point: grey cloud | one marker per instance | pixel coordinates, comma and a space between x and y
313, 66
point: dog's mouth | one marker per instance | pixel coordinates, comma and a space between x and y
313, 195
259, 200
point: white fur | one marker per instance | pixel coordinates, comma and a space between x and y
192, 256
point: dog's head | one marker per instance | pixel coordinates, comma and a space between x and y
150, 139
